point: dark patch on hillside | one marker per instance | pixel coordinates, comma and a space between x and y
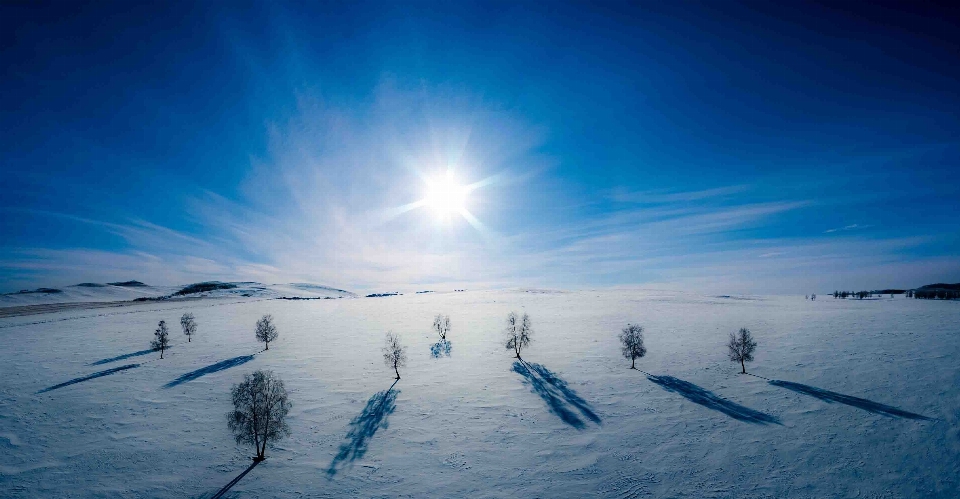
128, 284
38, 290
307, 297
200, 287
90, 285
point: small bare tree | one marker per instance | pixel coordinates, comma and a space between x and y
518, 332
189, 325
632, 340
394, 354
260, 408
266, 331
741, 347
161, 338
441, 324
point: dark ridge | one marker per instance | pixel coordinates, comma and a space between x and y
422, 292
200, 287
951, 287
38, 290
128, 284
307, 298
304, 285
381, 295
90, 285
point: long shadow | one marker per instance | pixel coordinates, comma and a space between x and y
212, 368
711, 400
557, 394
364, 427
441, 348
829, 397
124, 356
92, 376
233, 482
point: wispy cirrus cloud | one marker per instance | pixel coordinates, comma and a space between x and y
846, 228
329, 199
623, 195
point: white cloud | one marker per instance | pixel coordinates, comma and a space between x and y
846, 228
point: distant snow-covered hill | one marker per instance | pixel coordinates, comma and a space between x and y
85, 292
134, 290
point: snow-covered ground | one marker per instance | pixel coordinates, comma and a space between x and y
575, 422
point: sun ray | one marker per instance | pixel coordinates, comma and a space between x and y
392, 213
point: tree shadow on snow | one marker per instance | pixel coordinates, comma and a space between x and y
226, 488
829, 397
711, 400
555, 392
212, 368
363, 427
124, 356
92, 376
441, 348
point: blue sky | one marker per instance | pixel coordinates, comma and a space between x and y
727, 148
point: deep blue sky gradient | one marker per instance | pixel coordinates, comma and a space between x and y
784, 148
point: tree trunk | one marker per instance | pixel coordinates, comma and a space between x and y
268, 345
396, 370
161, 352
633, 362
742, 365
266, 431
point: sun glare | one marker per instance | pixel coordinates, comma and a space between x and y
445, 196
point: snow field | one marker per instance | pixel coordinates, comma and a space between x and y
471, 425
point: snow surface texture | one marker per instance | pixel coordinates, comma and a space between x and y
571, 421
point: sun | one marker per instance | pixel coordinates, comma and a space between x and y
445, 195
448, 199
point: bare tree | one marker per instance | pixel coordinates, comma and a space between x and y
394, 354
189, 325
260, 408
632, 340
266, 331
741, 347
441, 324
161, 338
518, 332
